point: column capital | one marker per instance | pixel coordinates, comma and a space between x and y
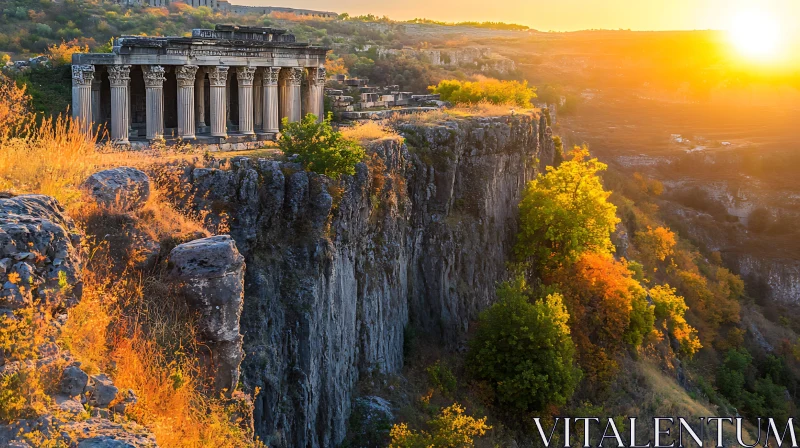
270, 77
119, 75
317, 76
83, 74
294, 75
153, 76
218, 76
185, 75
245, 75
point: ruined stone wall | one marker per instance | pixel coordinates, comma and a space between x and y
418, 236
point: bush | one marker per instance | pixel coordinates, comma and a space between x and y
451, 429
670, 308
491, 90
525, 350
319, 148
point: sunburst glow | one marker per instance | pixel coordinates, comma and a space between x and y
756, 34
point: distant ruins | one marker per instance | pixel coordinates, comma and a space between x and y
354, 99
227, 85
224, 5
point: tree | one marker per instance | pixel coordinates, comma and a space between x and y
319, 148
670, 309
608, 310
655, 244
566, 212
450, 429
524, 350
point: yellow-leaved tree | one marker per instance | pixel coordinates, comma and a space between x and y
566, 212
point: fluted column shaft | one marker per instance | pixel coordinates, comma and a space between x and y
154, 99
185, 75
245, 77
97, 111
291, 78
270, 108
316, 92
200, 97
82, 76
119, 78
258, 103
218, 79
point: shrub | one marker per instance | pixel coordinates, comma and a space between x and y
670, 308
319, 147
566, 212
442, 378
524, 350
492, 90
450, 429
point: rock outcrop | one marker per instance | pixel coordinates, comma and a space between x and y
208, 274
39, 256
337, 274
125, 188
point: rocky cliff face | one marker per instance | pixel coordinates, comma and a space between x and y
418, 237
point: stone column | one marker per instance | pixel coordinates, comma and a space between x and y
270, 106
82, 76
200, 97
245, 76
119, 76
185, 74
316, 92
154, 98
97, 110
258, 101
291, 78
218, 79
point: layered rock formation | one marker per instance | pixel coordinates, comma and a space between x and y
417, 238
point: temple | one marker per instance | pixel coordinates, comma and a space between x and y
229, 84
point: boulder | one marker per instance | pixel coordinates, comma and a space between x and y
208, 274
39, 253
101, 391
125, 188
73, 381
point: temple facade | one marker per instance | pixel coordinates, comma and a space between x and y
229, 84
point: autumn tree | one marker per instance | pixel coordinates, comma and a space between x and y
655, 245
608, 311
566, 212
452, 428
523, 349
492, 90
670, 309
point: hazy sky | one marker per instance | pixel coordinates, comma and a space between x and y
564, 15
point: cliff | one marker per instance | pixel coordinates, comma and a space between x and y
418, 237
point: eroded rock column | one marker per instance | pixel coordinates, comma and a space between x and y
154, 99
316, 92
209, 275
218, 79
82, 76
185, 75
291, 78
119, 76
271, 116
245, 77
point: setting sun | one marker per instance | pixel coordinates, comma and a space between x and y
756, 34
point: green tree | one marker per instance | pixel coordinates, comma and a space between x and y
319, 147
566, 212
524, 350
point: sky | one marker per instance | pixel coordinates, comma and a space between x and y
565, 15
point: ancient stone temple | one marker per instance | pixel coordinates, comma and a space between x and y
230, 84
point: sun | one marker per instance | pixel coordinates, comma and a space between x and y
756, 34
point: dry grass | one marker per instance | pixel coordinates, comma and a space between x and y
127, 323
486, 109
369, 131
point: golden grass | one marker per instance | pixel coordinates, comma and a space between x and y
486, 109
369, 131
